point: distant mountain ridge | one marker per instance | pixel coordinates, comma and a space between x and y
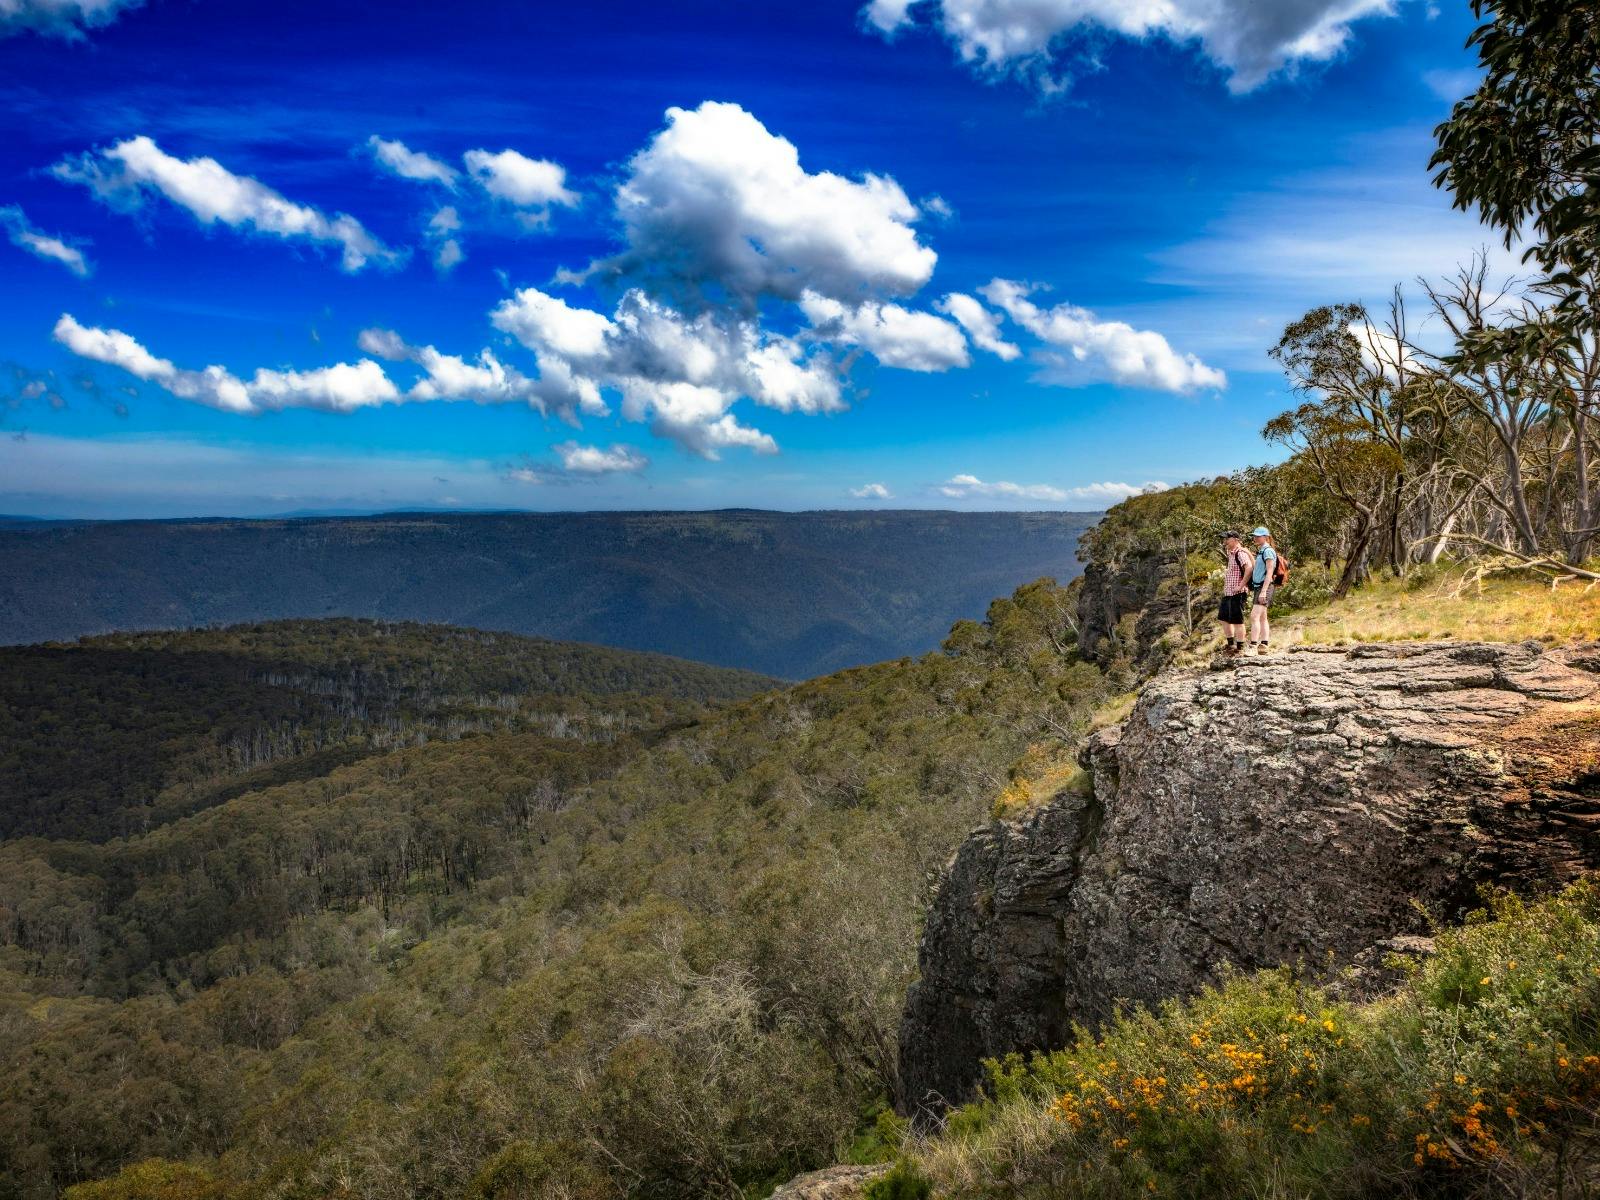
788, 594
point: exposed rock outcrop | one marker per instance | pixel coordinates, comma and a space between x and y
835, 1183
1290, 809
1128, 608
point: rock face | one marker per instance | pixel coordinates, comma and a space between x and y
1144, 589
1280, 810
835, 1183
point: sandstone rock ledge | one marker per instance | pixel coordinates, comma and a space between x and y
834, 1183
1279, 810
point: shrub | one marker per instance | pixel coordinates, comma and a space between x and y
1482, 1072
902, 1182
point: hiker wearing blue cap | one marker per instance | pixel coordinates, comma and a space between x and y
1263, 579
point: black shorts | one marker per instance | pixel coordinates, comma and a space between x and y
1231, 610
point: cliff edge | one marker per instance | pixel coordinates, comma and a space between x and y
1293, 809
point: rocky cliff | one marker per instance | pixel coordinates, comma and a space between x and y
1285, 810
1128, 608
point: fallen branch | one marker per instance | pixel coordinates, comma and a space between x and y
1513, 560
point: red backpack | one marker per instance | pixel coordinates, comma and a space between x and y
1280, 571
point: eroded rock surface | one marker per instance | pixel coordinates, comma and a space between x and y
835, 1183
1287, 809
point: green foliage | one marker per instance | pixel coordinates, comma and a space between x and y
114, 735
880, 1138
1481, 1074
548, 1172
901, 1182
667, 962
156, 1179
1522, 148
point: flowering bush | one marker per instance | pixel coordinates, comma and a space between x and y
1480, 1073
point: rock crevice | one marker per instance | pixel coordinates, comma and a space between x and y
1293, 809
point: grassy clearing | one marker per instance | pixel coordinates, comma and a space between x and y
1434, 605
1480, 1075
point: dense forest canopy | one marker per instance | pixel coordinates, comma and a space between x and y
485, 916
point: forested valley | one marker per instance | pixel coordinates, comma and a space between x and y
348, 908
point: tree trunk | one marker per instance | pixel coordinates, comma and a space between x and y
1358, 554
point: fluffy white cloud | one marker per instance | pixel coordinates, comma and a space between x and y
1251, 40
1111, 493
895, 336
593, 460
125, 173
680, 374
549, 325
966, 487
1089, 350
532, 185
400, 159
59, 18
982, 326
717, 205
1382, 352
442, 228
886, 16
484, 381
872, 491
343, 387
23, 235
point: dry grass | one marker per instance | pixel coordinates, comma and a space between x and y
1442, 606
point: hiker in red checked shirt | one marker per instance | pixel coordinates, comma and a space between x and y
1235, 589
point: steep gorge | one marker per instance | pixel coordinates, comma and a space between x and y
1316, 808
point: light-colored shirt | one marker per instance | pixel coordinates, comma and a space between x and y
1265, 562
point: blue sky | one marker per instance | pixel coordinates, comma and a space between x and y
970, 253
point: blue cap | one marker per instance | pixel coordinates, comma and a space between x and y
1260, 531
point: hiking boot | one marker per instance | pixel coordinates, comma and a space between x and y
1263, 649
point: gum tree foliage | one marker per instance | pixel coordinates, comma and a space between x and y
1521, 150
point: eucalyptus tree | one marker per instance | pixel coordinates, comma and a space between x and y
1521, 150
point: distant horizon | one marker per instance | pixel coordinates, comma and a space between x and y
341, 514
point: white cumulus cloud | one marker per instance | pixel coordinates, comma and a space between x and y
59, 18
1112, 493
400, 159
126, 172
966, 487
533, 186
680, 374
895, 336
1088, 350
485, 380
872, 491
595, 460
1250, 40
982, 326
25, 236
717, 204
343, 387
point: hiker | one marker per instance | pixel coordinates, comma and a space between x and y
1235, 587
1263, 581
